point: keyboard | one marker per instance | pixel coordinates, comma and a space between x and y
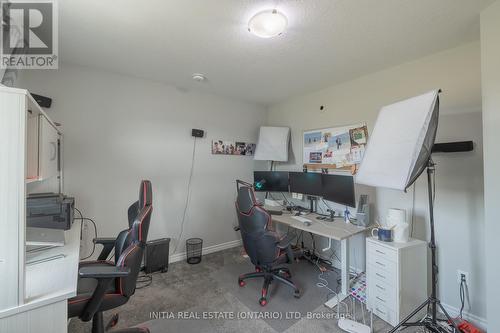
301, 219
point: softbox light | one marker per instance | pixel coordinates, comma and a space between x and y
273, 144
401, 143
399, 150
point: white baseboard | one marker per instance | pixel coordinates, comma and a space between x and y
476, 320
206, 250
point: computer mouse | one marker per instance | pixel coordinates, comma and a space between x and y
307, 223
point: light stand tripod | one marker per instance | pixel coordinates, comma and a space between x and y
430, 322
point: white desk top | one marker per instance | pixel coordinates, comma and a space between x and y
337, 229
54, 280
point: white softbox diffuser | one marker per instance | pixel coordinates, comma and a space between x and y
273, 144
401, 142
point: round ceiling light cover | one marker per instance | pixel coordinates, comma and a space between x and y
268, 23
199, 77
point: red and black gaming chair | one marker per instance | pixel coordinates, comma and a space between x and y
104, 285
267, 251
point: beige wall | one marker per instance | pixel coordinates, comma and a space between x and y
459, 202
119, 130
490, 61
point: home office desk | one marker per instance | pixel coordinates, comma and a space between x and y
337, 230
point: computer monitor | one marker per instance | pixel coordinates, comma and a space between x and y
339, 189
270, 181
306, 183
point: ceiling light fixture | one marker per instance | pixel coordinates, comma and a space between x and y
267, 24
199, 77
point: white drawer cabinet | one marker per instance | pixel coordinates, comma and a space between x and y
396, 278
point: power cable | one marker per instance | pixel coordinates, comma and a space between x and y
188, 196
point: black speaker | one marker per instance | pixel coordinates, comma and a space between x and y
156, 255
43, 101
197, 133
453, 147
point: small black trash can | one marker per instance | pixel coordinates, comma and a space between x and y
193, 250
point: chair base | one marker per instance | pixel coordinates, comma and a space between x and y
98, 323
281, 275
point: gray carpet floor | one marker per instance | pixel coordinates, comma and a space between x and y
211, 288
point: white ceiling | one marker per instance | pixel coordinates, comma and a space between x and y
327, 41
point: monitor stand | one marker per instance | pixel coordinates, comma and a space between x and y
313, 203
332, 215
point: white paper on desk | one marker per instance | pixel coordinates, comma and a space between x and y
396, 141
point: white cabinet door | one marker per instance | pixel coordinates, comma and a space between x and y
48, 151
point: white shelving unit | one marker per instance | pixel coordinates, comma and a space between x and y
396, 278
33, 297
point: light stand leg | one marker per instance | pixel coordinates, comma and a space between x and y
430, 322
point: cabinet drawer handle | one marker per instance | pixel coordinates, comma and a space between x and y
379, 287
378, 251
379, 263
380, 275
380, 311
380, 299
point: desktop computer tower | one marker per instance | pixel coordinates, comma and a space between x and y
156, 255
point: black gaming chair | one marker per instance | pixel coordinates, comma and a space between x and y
104, 285
267, 251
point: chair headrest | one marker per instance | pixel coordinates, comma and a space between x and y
246, 199
145, 194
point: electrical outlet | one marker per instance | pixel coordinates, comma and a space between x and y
462, 273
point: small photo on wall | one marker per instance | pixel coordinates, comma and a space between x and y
311, 139
315, 157
340, 143
222, 147
250, 149
358, 136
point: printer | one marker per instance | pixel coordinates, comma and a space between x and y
49, 210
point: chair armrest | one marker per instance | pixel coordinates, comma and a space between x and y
104, 275
108, 244
103, 272
104, 240
285, 241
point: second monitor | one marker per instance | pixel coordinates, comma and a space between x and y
306, 183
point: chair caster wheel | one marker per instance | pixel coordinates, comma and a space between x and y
241, 283
112, 322
263, 301
297, 293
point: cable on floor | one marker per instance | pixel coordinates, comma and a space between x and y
324, 284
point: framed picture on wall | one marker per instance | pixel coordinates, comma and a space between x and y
224, 147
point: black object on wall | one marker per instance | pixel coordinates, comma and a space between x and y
453, 147
43, 101
197, 133
156, 255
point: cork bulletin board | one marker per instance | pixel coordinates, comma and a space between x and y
335, 148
